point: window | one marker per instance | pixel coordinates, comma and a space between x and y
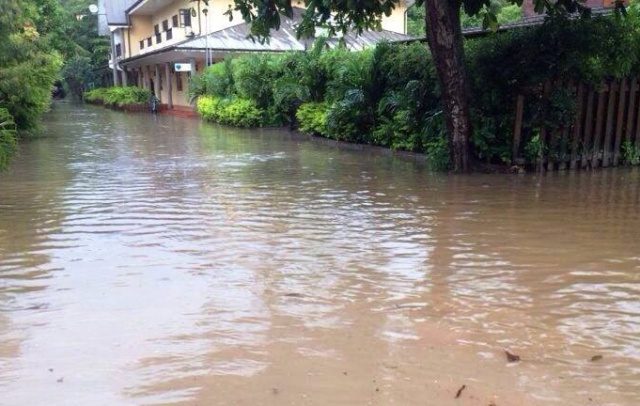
179, 81
158, 38
119, 50
165, 25
142, 44
156, 29
169, 34
174, 20
185, 17
149, 43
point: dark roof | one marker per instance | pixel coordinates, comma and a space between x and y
116, 11
527, 22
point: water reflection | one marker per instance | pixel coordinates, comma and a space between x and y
168, 261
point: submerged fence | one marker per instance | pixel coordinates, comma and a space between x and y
603, 131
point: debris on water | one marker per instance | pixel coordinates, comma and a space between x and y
293, 294
512, 357
460, 391
275, 391
409, 305
50, 369
596, 358
60, 380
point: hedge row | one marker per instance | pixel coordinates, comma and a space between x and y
389, 96
117, 95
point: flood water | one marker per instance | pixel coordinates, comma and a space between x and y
163, 261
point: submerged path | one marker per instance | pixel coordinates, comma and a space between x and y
161, 260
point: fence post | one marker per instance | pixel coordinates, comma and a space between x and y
608, 135
517, 131
543, 127
597, 133
577, 129
622, 97
588, 128
631, 110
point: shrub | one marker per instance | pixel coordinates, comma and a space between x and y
117, 95
126, 95
253, 77
8, 137
216, 80
389, 96
561, 48
230, 111
25, 86
312, 118
96, 95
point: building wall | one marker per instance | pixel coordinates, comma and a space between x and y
396, 22
142, 28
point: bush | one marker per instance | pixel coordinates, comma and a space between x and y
96, 95
25, 87
561, 48
8, 137
117, 95
216, 80
230, 111
389, 96
312, 118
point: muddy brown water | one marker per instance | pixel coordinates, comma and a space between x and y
162, 261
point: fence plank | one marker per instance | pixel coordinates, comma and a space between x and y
588, 128
517, 131
543, 128
637, 131
598, 131
622, 97
631, 108
608, 134
577, 127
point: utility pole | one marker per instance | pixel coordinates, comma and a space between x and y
205, 11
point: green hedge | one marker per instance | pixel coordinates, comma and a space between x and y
312, 118
230, 111
389, 96
117, 95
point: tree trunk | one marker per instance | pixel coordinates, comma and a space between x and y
445, 41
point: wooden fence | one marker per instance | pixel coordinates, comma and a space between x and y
606, 125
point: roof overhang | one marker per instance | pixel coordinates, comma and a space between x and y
148, 7
235, 40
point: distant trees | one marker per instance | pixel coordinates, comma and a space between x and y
29, 64
36, 38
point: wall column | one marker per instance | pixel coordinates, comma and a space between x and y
156, 83
192, 62
167, 73
124, 77
147, 78
114, 59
